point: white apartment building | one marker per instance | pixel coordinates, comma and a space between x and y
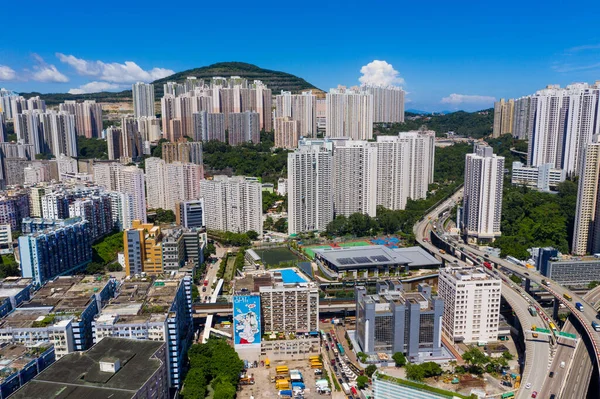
560, 123
124, 179
355, 178
170, 183
88, 117
122, 207
310, 187
143, 99
388, 103
149, 128
405, 165
482, 202
349, 114
587, 226
233, 204
471, 304
298, 107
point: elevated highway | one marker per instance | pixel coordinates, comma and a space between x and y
226, 308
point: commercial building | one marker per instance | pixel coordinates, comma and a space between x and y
544, 177
59, 313
143, 99
142, 248
388, 103
393, 321
569, 271
155, 310
190, 214
232, 204
56, 251
405, 165
482, 202
21, 364
388, 387
286, 132
503, 117
181, 247
310, 187
377, 259
471, 304
243, 127
355, 177
349, 114
586, 233
116, 368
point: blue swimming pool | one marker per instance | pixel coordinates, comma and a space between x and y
289, 276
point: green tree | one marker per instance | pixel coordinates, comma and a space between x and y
157, 151
431, 369
507, 355
362, 356
268, 225
105, 249
253, 235
415, 372
362, 381
476, 359
9, 266
91, 148
516, 278
399, 359
164, 216
280, 225
593, 285
194, 385
371, 368
94, 268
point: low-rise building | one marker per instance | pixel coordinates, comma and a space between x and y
5, 239
20, 364
59, 313
377, 259
393, 321
155, 310
471, 304
115, 368
543, 177
13, 292
571, 271
388, 387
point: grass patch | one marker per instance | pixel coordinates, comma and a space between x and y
274, 256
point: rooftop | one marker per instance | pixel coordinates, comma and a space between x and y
141, 300
78, 375
65, 295
15, 356
442, 393
376, 255
468, 274
11, 286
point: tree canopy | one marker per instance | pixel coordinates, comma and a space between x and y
105, 249
399, 359
92, 148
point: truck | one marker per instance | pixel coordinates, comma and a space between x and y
567, 297
579, 306
532, 311
346, 388
487, 265
544, 282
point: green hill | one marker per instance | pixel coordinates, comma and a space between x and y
275, 80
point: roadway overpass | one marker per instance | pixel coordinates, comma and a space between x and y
226, 308
423, 235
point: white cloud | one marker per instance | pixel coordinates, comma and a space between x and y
7, 73
128, 72
456, 99
380, 73
575, 68
43, 72
94, 87
585, 47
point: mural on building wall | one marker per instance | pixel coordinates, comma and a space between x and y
246, 319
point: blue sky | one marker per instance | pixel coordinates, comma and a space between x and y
466, 52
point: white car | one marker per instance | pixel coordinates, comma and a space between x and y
528, 385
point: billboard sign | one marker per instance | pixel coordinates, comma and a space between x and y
246, 320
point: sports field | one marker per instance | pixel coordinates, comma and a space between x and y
274, 256
311, 254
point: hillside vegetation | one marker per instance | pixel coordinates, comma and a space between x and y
469, 124
275, 80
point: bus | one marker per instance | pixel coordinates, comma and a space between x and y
568, 297
552, 326
282, 370
340, 348
508, 395
315, 358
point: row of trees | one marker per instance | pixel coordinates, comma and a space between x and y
478, 363
215, 363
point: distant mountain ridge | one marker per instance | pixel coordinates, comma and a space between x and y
275, 80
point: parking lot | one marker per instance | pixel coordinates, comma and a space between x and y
264, 388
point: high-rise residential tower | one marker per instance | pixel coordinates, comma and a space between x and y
482, 202
388, 103
349, 114
310, 191
143, 99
